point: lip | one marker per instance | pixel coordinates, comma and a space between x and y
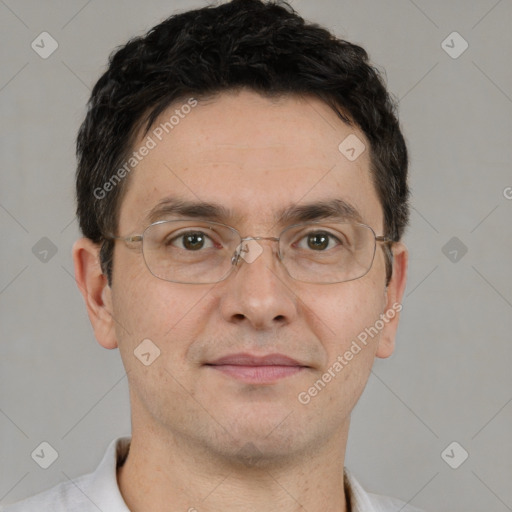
244, 359
257, 369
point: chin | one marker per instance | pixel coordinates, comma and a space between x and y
261, 454
265, 442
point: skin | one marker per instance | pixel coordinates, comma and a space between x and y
200, 439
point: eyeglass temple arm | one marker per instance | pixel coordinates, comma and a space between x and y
132, 238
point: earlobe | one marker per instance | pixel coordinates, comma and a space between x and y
393, 300
95, 290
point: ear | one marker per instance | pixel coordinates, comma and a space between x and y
393, 300
95, 289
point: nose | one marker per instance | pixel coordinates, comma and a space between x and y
258, 292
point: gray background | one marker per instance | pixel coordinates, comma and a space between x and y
450, 378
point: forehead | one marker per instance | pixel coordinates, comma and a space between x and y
253, 155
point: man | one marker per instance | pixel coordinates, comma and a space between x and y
242, 191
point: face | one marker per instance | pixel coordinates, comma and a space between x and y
255, 157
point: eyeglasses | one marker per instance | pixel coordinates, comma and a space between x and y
200, 252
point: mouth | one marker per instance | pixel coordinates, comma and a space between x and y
257, 369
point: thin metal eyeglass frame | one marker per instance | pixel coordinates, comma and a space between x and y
236, 255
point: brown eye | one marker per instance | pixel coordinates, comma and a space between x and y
318, 241
191, 241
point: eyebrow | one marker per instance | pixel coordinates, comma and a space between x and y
335, 209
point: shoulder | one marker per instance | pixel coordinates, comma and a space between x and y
362, 501
65, 497
88, 493
388, 504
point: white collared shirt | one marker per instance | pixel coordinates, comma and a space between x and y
99, 491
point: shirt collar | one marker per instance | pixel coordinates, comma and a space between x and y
106, 495
104, 489
357, 498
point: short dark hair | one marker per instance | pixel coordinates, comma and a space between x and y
263, 46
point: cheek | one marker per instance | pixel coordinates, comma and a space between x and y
170, 315
347, 313
146, 306
349, 309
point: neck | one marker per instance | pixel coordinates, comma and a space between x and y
166, 474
